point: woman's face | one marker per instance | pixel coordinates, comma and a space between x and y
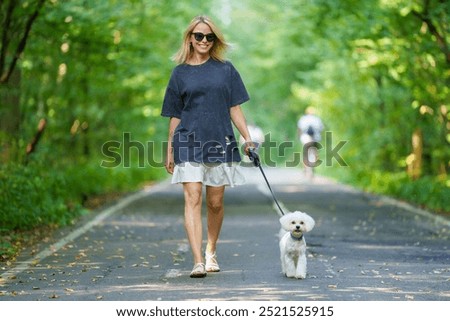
202, 46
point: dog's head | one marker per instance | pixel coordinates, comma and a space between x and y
297, 222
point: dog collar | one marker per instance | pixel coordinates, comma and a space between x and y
297, 238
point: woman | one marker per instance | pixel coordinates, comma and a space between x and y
202, 98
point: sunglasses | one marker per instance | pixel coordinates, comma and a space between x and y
199, 36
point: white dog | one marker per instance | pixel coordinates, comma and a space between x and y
292, 243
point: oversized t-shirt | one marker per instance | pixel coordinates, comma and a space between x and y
201, 97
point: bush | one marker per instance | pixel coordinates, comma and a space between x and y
430, 192
427, 191
34, 198
31, 196
90, 179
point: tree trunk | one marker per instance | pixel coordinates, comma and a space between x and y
414, 161
10, 116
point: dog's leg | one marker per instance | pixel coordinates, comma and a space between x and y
283, 263
283, 254
290, 267
300, 272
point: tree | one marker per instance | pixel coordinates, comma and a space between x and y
16, 19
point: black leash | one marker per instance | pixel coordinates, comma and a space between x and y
254, 157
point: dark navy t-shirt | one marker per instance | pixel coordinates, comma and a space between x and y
201, 97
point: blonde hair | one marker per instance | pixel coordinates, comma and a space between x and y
218, 49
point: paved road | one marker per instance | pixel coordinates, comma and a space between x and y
362, 248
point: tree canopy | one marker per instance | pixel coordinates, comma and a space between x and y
82, 83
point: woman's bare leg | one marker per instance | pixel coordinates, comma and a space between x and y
214, 202
193, 218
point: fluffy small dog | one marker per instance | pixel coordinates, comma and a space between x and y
292, 243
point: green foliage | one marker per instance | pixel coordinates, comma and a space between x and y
376, 71
92, 180
31, 196
429, 192
93, 70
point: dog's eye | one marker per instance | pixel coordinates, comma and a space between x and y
301, 223
293, 222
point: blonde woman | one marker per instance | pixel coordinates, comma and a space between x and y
202, 100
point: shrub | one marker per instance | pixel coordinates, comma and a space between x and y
31, 196
432, 193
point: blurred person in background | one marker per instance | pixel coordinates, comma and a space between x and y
310, 128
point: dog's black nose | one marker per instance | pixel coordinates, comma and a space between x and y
297, 227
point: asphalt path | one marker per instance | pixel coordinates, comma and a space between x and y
363, 247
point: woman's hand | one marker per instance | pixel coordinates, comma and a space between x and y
169, 163
170, 167
247, 146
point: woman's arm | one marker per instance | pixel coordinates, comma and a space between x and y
238, 118
173, 123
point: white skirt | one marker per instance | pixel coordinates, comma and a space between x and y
220, 174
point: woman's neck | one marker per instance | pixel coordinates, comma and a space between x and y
198, 59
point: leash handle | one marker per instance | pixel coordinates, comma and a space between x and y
254, 157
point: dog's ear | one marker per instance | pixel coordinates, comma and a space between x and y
309, 223
285, 222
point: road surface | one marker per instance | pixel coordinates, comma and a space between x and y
363, 247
